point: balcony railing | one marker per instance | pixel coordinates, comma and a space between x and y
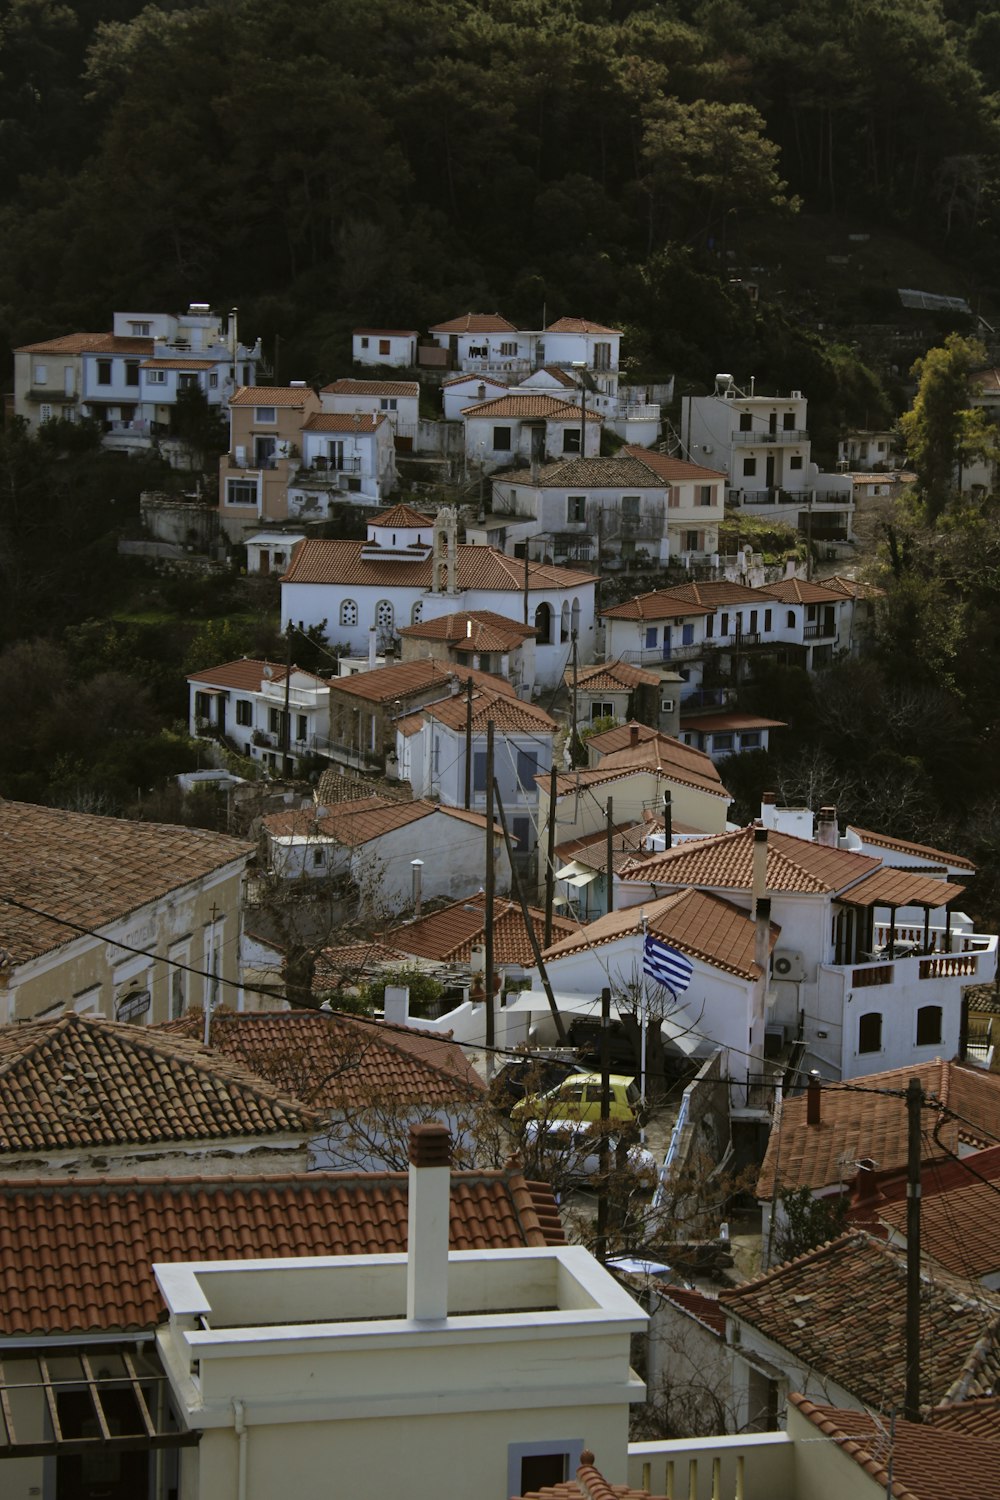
753, 1466
321, 465
661, 654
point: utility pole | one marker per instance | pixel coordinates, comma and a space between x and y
610, 850
468, 744
604, 1171
489, 891
527, 575
286, 723
529, 925
550, 861
914, 1103
211, 999
574, 737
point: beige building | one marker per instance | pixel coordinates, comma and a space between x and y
265, 436
133, 921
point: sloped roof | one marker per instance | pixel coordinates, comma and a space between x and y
86, 871
925, 852
525, 404
671, 470
660, 604
799, 591
579, 325
853, 588
589, 1484
399, 333
679, 762
978, 1416
82, 1081
724, 861
371, 388
403, 678
510, 715
869, 1121
705, 723
489, 631
704, 927
355, 823
841, 1309
360, 422
583, 473
698, 1305
450, 934
959, 1211
248, 675
612, 677
78, 1254
401, 515
89, 343
893, 887
473, 379
317, 560
620, 737
919, 1462
272, 395
592, 849
475, 323
339, 1062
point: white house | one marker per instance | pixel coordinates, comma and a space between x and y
468, 390
762, 443
696, 504
476, 638
344, 455
869, 451
262, 709
532, 428
385, 346
728, 732
485, 344
412, 569
397, 400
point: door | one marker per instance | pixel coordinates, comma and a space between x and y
769, 479
772, 424
666, 643
101, 1473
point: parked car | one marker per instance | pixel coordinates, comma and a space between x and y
569, 1152
537, 1074
579, 1098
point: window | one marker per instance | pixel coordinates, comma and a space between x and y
601, 711
543, 625
131, 372
564, 622
666, 705
319, 859
156, 377
385, 617
870, 1031
724, 625
186, 382
140, 330
602, 356
202, 705
213, 380
571, 440
768, 615
265, 414
241, 492
388, 403
501, 440
750, 739
527, 770
104, 372
788, 421
709, 627
178, 993
384, 346
722, 742
749, 466
652, 636
244, 711
508, 349
41, 374
532, 1466
274, 717
746, 421
576, 508
479, 771
795, 462
45, 412
687, 635
364, 343
348, 612
301, 727
417, 612
692, 541
630, 510
705, 494
928, 1025
790, 619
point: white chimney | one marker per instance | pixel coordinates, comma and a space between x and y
826, 827
428, 1222
758, 877
396, 1004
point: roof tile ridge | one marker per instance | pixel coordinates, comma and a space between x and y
974, 1361
818, 1252
415, 1032
37, 1042
522, 1203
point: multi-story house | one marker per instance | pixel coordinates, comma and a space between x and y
272, 713
869, 452
344, 456
762, 444
528, 427
397, 400
696, 504
265, 433
476, 638
485, 344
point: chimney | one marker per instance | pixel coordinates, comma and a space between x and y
633, 735
813, 1110
864, 1183
768, 809
826, 827
416, 865
758, 876
427, 1223
371, 647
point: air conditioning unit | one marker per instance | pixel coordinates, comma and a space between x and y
788, 965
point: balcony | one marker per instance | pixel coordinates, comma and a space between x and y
753, 1466
653, 655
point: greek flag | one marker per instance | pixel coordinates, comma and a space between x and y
666, 965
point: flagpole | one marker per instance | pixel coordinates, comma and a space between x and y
642, 1042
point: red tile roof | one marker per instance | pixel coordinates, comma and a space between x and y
399, 333
589, 1484
661, 604
372, 388
249, 675
401, 516
704, 927
340, 1062
852, 587
89, 343
502, 633
583, 473
912, 1460
672, 470
894, 887
698, 1305
579, 325
473, 379
82, 1081
509, 715
360, 422
925, 852
182, 364
620, 737
959, 1212
319, 561
982, 1416
706, 723
798, 591
841, 1310
79, 868
525, 404
450, 934
475, 323
679, 762
864, 1122
405, 678
78, 1255
724, 861
612, 676
272, 395
355, 823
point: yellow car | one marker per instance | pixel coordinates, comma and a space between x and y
579, 1098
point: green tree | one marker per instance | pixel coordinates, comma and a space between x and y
941, 429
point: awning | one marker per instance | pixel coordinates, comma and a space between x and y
888, 887
575, 874
678, 1028
99, 1397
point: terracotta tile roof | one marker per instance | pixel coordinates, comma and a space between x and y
612, 676
182, 364
915, 1461
578, 325
404, 678
272, 395
592, 849
589, 1484
355, 823
864, 1122
319, 561
525, 405
348, 786
852, 587
450, 934
570, 782
475, 323
704, 927
583, 473
798, 591
472, 379
906, 846
894, 887
671, 470
371, 388
677, 761
620, 737
82, 1081
400, 333
401, 516
707, 722
959, 1213
841, 1310
366, 957
486, 624
249, 675
92, 870
724, 861
340, 1062
982, 1416
562, 377
89, 343
661, 604
698, 1305
78, 1255
718, 593
360, 422
510, 715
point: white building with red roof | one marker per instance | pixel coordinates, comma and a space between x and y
485, 344
396, 347
261, 709
528, 426
397, 400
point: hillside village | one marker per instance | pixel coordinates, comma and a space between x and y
484, 1105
